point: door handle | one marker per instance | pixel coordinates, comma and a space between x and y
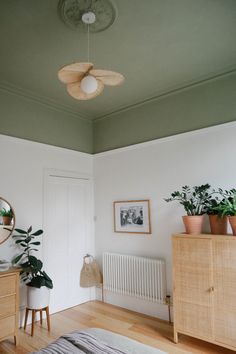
211, 289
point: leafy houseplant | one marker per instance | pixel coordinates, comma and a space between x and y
228, 203
227, 207
218, 222
212, 206
5, 212
194, 201
32, 272
6, 215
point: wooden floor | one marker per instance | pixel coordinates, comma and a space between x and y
148, 330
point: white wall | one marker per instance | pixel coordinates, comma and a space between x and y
21, 180
150, 170
153, 170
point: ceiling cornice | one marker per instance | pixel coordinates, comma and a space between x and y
166, 139
170, 91
45, 101
55, 105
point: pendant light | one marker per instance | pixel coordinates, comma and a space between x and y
83, 82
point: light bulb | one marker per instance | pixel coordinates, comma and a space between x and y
89, 84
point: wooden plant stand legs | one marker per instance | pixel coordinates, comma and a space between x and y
26, 317
34, 311
48, 318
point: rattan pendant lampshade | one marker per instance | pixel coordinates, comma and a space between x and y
83, 82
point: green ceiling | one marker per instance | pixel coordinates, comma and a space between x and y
159, 45
178, 58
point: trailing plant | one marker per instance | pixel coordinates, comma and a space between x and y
8, 213
194, 200
227, 206
32, 268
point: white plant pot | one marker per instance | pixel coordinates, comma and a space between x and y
38, 298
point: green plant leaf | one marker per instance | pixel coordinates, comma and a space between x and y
33, 260
48, 284
39, 264
40, 281
37, 282
38, 233
29, 230
23, 244
35, 243
17, 258
46, 276
21, 231
18, 241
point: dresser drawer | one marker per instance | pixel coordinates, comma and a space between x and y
7, 326
7, 285
7, 306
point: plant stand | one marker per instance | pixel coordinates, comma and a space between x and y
34, 311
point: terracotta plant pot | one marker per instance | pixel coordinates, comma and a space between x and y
193, 224
232, 221
6, 220
218, 224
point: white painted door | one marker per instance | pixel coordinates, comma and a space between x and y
68, 236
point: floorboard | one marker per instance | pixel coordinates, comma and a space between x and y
148, 330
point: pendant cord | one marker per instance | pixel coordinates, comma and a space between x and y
88, 43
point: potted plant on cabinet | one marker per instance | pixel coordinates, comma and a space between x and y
227, 207
218, 222
194, 201
7, 216
32, 273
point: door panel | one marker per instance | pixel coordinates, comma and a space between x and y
78, 237
193, 307
55, 243
225, 291
68, 234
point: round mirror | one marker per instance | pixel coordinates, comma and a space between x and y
7, 220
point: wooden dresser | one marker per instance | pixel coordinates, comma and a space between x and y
204, 287
9, 304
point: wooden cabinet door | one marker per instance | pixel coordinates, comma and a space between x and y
225, 291
193, 281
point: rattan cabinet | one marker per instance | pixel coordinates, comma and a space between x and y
9, 304
204, 287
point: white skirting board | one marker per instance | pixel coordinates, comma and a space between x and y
138, 305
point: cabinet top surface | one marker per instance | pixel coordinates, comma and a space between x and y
10, 271
206, 236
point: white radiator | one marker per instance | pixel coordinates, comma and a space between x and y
141, 277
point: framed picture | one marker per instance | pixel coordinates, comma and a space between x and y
132, 216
